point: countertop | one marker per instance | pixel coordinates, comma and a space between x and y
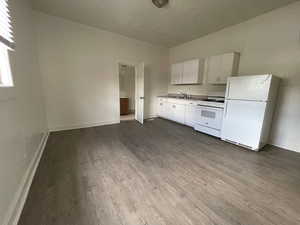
196, 100
192, 97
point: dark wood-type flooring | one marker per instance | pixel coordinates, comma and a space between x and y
161, 173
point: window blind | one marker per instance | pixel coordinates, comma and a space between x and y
6, 34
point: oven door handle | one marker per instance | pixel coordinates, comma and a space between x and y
209, 106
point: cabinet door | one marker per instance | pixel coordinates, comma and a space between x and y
227, 64
220, 67
190, 116
179, 113
191, 72
162, 109
176, 73
214, 69
169, 111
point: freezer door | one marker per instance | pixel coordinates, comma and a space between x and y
252, 88
242, 122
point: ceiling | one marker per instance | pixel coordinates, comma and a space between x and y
179, 22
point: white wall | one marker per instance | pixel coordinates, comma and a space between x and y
268, 44
22, 115
127, 84
80, 70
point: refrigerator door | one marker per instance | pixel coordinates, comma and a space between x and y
251, 88
242, 122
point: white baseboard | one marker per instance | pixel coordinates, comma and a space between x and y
151, 117
18, 203
79, 126
283, 147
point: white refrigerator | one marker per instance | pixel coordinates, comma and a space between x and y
249, 106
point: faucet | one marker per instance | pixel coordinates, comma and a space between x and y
185, 95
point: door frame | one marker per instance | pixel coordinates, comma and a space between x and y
135, 65
138, 97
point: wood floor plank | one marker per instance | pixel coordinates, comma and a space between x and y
161, 173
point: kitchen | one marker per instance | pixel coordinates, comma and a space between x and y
222, 76
243, 116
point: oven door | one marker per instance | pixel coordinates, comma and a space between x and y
209, 116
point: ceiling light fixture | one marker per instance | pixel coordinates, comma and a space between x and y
160, 3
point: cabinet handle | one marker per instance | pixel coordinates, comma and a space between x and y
174, 106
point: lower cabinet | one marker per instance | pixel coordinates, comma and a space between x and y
190, 114
162, 109
169, 111
180, 113
174, 112
205, 119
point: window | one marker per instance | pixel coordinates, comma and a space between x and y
6, 44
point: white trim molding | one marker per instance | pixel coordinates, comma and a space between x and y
80, 126
16, 207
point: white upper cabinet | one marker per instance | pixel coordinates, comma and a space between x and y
176, 73
220, 67
188, 72
193, 71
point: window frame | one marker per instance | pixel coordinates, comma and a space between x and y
6, 45
6, 79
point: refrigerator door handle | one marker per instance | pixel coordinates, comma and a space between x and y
227, 88
226, 106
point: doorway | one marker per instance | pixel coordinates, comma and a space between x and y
127, 92
131, 89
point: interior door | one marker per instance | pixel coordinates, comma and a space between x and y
140, 93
